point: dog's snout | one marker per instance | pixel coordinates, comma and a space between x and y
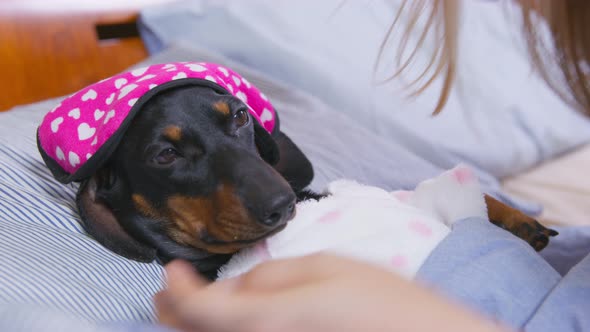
279, 210
267, 196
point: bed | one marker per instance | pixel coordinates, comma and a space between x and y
501, 120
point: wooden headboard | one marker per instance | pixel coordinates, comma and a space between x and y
50, 48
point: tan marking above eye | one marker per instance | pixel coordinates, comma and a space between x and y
222, 107
173, 133
144, 206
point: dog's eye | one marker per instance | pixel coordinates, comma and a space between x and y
241, 118
167, 156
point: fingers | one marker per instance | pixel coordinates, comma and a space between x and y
189, 303
166, 314
182, 278
273, 291
181, 281
291, 272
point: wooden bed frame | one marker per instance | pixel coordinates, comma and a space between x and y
50, 48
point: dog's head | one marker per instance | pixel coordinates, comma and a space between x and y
194, 176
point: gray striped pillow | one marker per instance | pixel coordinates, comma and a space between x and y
47, 262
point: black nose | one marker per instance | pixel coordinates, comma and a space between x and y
279, 210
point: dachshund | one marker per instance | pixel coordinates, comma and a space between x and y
187, 181
191, 179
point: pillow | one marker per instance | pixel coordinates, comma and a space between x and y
48, 262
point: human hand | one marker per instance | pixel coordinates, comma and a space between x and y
313, 293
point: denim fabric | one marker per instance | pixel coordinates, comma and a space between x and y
499, 275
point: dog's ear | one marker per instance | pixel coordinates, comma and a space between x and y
101, 223
277, 149
292, 164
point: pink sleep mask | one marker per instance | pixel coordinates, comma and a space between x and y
80, 134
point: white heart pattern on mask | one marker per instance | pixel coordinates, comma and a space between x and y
85, 131
224, 71
246, 83
98, 114
242, 96
120, 82
126, 89
75, 113
94, 141
195, 67
146, 77
139, 71
132, 102
266, 115
237, 80
110, 115
55, 124
179, 76
60, 154
89, 95
110, 99
74, 159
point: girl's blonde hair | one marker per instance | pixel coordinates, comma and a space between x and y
563, 60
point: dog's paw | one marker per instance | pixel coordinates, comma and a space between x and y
540, 235
529, 230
